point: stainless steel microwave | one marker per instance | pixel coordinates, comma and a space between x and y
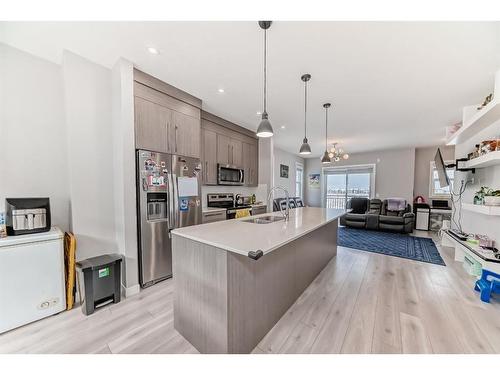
230, 175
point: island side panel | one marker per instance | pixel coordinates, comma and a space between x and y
314, 252
261, 291
200, 294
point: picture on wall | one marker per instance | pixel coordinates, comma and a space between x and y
283, 171
314, 180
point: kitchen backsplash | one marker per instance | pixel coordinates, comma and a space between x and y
259, 191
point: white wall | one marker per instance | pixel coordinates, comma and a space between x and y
473, 222
394, 173
291, 160
423, 158
87, 89
124, 169
33, 151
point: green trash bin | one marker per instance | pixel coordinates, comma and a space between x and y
102, 281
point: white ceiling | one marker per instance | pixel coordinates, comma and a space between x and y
391, 84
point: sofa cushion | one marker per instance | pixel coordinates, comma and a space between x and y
393, 220
375, 207
355, 217
358, 205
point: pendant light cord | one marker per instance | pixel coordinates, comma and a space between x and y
305, 109
265, 69
326, 129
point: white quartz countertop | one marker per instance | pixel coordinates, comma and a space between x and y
242, 237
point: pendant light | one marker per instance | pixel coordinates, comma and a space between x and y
265, 129
305, 149
326, 158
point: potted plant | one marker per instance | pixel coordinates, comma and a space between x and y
492, 197
479, 196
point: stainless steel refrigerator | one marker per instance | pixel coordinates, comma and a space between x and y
168, 197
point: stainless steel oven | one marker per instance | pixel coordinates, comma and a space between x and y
230, 175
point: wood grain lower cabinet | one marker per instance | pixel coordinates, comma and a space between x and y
152, 122
210, 217
209, 157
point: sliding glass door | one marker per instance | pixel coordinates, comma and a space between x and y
341, 184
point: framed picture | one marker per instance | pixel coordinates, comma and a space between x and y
283, 171
314, 180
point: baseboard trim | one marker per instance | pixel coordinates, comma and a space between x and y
130, 291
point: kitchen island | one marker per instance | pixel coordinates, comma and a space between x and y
233, 280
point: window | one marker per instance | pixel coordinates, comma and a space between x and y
434, 190
343, 183
299, 180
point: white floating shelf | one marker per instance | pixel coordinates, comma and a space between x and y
488, 160
482, 209
477, 122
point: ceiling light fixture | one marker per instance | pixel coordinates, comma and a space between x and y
326, 157
265, 129
305, 149
221, 90
153, 51
282, 126
336, 154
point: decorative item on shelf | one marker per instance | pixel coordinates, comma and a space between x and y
488, 146
450, 130
283, 171
305, 149
487, 196
488, 99
265, 129
3, 229
492, 198
326, 157
337, 153
484, 241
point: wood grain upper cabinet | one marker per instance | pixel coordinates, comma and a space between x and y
223, 147
236, 152
250, 163
184, 135
209, 156
151, 123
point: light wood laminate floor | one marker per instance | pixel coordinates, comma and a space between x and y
360, 303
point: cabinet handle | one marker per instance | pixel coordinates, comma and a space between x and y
206, 171
175, 138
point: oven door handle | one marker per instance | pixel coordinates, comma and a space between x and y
241, 175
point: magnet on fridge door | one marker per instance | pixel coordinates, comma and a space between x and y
183, 204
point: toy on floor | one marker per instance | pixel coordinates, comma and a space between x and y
487, 284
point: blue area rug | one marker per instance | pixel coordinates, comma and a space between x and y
395, 244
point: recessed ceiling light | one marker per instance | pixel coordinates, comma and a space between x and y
153, 51
221, 90
282, 126
259, 113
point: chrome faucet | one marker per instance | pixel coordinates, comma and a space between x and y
287, 211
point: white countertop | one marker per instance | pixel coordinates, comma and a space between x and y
53, 234
242, 237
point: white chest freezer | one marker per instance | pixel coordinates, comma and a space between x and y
31, 278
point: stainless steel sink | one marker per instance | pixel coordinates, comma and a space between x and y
265, 219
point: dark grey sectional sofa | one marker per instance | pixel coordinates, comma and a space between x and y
373, 214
